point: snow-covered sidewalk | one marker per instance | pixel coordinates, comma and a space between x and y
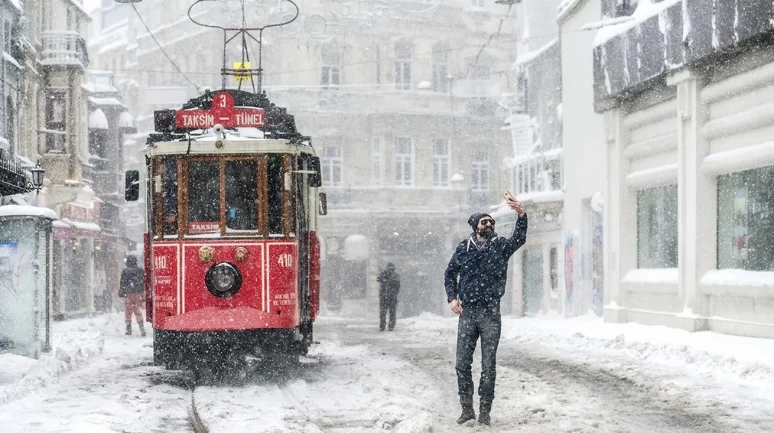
74, 343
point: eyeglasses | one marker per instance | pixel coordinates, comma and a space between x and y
487, 221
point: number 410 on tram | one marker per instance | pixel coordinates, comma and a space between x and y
232, 257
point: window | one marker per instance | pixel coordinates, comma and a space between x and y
331, 65
242, 195
203, 197
332, 161
56, 123
7, 35
618, 8
403, 52
477, 3
745, 220
378, 52
553, 265
480, 172
377, 161
404, 162
657, 227
441, 165
275, 180
440, 68
168, 169
10, 129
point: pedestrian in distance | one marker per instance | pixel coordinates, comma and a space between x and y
389, 281
132, 288
475, 281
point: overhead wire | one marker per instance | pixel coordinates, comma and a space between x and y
161, 47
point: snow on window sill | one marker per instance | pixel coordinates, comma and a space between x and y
654, 280
738, 282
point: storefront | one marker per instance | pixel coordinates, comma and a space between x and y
691, 161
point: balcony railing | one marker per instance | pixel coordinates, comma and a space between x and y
537, 175
13, 179
63, 49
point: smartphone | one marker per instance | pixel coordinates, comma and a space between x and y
508, 196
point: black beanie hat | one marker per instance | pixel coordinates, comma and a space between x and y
475, 218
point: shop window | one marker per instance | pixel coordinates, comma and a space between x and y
242, 195
745, 220
657, 227
554, 267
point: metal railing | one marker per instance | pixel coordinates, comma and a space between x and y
13, 178
64, 48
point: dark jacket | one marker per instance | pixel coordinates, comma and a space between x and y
390, 284
482, 272
132, 281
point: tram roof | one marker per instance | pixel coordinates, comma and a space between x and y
232, 144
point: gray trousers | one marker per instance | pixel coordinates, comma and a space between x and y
477, 321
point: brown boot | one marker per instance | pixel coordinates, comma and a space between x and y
467, 414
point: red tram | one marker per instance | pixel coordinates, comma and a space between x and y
231, 255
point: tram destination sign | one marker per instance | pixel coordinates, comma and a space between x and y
223, 112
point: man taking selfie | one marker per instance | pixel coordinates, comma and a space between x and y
475, 281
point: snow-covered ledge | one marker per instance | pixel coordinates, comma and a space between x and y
651, 280
653, 177
738, 282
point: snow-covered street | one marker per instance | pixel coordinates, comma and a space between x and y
554, 375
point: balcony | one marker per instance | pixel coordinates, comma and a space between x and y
64, 49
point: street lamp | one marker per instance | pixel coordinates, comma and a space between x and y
37, 176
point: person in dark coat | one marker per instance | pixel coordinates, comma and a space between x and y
475, 281
132, 288
388, 296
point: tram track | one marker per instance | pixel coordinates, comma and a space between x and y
197, 423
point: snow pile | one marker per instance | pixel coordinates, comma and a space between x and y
652, 276
645, 10
354, 389
738, 277
74, 343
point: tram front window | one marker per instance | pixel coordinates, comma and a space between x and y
275, 190
242, 195
203, 197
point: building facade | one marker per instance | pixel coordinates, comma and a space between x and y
688, 134
583, 144
401, 103
534, 170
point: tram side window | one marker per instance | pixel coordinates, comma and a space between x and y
242, 195
275, 188
203, 197
169, 190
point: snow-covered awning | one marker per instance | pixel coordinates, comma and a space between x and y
98, 120
92, 227
126, 123
106, 102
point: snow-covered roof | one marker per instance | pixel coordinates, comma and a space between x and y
34, 211
534, 54
645, 9
98, 120
17, 4
9, 58
565, 7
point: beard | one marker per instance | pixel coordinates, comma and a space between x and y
486, 233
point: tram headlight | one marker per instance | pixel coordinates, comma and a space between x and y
223, 280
